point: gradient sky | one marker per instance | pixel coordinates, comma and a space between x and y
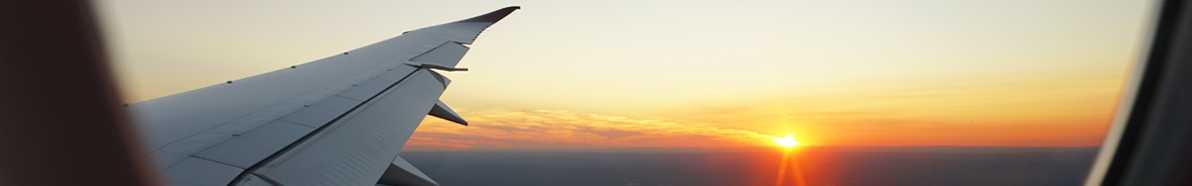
629, 73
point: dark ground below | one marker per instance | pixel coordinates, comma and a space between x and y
821, 166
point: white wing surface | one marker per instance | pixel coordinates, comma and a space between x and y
340, 120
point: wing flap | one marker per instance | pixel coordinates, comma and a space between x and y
442, 111
357, 149
403, 173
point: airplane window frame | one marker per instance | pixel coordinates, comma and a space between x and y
1147, 146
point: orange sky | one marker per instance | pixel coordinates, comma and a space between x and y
633, 73
1059, 111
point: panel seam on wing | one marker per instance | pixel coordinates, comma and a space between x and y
255, 112
211, 160
317, 131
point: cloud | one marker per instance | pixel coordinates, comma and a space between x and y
503, 128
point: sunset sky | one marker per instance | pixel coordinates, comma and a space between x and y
630, 73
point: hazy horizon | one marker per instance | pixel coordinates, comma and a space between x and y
1058, 166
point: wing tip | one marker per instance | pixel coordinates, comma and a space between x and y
494, 16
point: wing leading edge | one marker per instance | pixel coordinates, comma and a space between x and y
340, 120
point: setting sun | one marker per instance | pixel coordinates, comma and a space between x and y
788, 141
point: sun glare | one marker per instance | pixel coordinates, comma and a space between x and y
788, 141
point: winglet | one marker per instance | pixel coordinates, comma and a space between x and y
492, 17
442, 111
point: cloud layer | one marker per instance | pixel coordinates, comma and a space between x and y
500, 128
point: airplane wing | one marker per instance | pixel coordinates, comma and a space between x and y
340, 120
